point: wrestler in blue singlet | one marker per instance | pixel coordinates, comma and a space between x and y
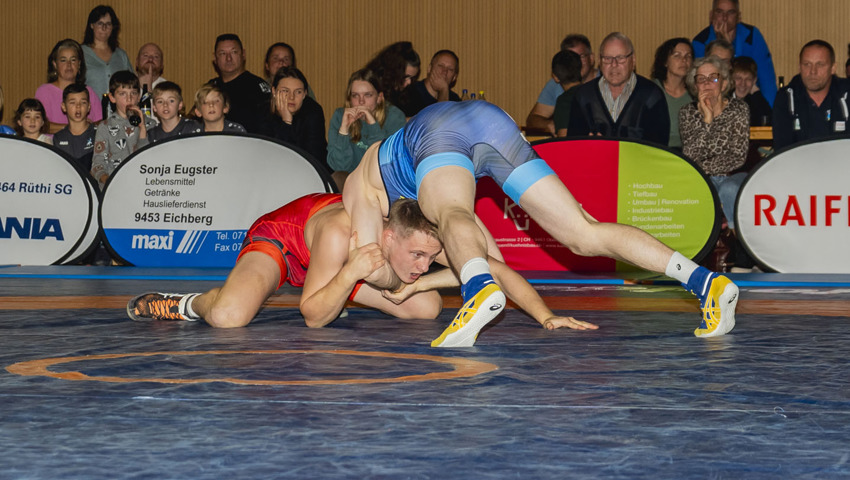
476, 135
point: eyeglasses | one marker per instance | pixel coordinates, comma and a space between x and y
619, 59
703, 79
103, 25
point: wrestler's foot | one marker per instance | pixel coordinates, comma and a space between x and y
718, 297
159, 306
478, 311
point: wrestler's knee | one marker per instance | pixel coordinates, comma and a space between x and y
229, 315
427, 305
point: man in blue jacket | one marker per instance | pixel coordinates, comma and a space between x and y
747, 39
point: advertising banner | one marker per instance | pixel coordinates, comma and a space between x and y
188, 202
793, 211
47, 206
614, 181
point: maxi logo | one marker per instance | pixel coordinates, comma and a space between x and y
31, 228
153, 242
511, 210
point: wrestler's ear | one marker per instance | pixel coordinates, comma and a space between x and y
387, 236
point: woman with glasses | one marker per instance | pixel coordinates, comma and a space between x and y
102, 54
65, 66
716, 129
673, 60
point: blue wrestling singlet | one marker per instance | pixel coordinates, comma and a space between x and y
475, 135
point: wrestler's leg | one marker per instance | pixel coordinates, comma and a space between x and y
420, 305
254, 278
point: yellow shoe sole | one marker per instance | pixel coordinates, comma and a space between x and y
472, 317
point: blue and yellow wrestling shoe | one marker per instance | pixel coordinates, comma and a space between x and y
718, 297
478, 311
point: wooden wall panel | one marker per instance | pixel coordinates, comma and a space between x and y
505, 46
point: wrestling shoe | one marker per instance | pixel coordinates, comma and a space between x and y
718, 297
478, 311
159, 306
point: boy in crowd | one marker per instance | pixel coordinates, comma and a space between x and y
211, 104
124, 131
168, 107
566, 70
77, 137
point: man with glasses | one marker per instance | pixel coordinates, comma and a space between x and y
620, 103
724, 20
542, 114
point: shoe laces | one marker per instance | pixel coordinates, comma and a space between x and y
166, 308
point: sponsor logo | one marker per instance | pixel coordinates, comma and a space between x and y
153, 242
801, 210
31, 228
495, 307
517, 215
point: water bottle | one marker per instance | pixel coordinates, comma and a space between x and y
464, 95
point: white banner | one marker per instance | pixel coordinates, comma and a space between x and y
793, 212
46, 205
188, 202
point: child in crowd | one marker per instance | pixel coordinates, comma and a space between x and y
4, 130
77, 137
744, 74
118, 136
168, 107
211, 104
31, 121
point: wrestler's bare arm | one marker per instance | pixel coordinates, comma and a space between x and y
362, 201
333, 273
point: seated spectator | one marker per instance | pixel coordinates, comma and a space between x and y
746, 40
124, 131
540, 117
814, 104
4, 130
281, 55
716, 130
673, 60
566, 68
297, 118
721, 49
744, 76
620, 103
103, 55
65, 65
77, 137
211, 106
168, 107
149, 66
365, 119
249, 94
397, 66
30, 121
436, 87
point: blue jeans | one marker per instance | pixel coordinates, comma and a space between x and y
727, 189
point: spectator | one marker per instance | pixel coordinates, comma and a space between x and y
4, 130
673, 60
721, 49
30, 121
541, 114
281, 55
120, 135
436, 87
744, 74
365, 119
149, 66
716, 130
211, 106
65, 65
297, 118
814, 104
102, 54
77, 137
747, 40
397, 66
168, 107
620, 103
566, 68
249, 94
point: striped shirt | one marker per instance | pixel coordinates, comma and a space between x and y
615, 105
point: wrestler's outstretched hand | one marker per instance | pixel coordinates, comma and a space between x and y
364, 260
552, 323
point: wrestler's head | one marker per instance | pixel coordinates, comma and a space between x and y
409, 241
